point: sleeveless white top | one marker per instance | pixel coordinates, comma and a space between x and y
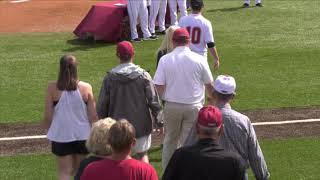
70, 120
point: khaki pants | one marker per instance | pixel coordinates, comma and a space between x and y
178, 120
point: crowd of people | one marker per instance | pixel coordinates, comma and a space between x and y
93, 142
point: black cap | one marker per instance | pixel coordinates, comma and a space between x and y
196, 3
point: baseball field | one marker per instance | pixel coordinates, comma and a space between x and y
273, 53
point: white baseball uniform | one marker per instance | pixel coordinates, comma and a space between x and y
248, 1
157, 7
182, 4
200, 30
138, 8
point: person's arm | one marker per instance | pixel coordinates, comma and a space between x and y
152, 99
160, 89
159, 78
49, 108
209, 39
207, 80
215, 55
103, 101
256, 158
91, 106
209, 90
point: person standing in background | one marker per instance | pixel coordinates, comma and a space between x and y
166, 44
157, 8
69, 112
201, 33
247, 3
182, 4
137, 9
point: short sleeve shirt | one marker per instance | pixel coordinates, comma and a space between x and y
184, 74
200, 30
129, 169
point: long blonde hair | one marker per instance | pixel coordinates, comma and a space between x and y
167, 40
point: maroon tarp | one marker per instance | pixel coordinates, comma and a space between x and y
103, 21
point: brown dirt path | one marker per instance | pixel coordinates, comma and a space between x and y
274, 131
42, 15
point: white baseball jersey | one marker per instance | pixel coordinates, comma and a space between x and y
200, 30
138, 9
157, 8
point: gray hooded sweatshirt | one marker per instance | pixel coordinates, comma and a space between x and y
127, 92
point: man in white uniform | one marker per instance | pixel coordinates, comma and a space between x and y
181, 78
201, 33
247, 3
138, 8
182, 4
157, 8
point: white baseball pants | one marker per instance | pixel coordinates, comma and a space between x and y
138, 8
158, 7
173, 10
248, 1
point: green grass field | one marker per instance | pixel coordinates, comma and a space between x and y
296, 159
271, 51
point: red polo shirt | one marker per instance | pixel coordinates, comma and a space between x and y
129, 169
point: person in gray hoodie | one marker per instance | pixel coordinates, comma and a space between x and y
127, 92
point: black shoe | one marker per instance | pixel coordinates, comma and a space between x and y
151, 38
259, 5
245, 5
136, 40
153, 34
162, 32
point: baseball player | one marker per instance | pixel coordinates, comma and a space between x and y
138, 8
247, 3
157, 7
182, 4
200, 30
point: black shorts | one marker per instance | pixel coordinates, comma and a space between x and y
74, 147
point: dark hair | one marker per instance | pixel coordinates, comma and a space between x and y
121, 136
224, 97
196, 6
68, 75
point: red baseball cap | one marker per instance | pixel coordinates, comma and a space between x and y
210, 117
125, 48
180, 32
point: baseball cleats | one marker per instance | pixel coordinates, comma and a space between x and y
151, 38
162, 32
259, 5
245, 5
136, 40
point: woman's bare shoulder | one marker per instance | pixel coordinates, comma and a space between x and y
83, 84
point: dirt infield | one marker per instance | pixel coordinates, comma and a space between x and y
42, 15
298, 130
